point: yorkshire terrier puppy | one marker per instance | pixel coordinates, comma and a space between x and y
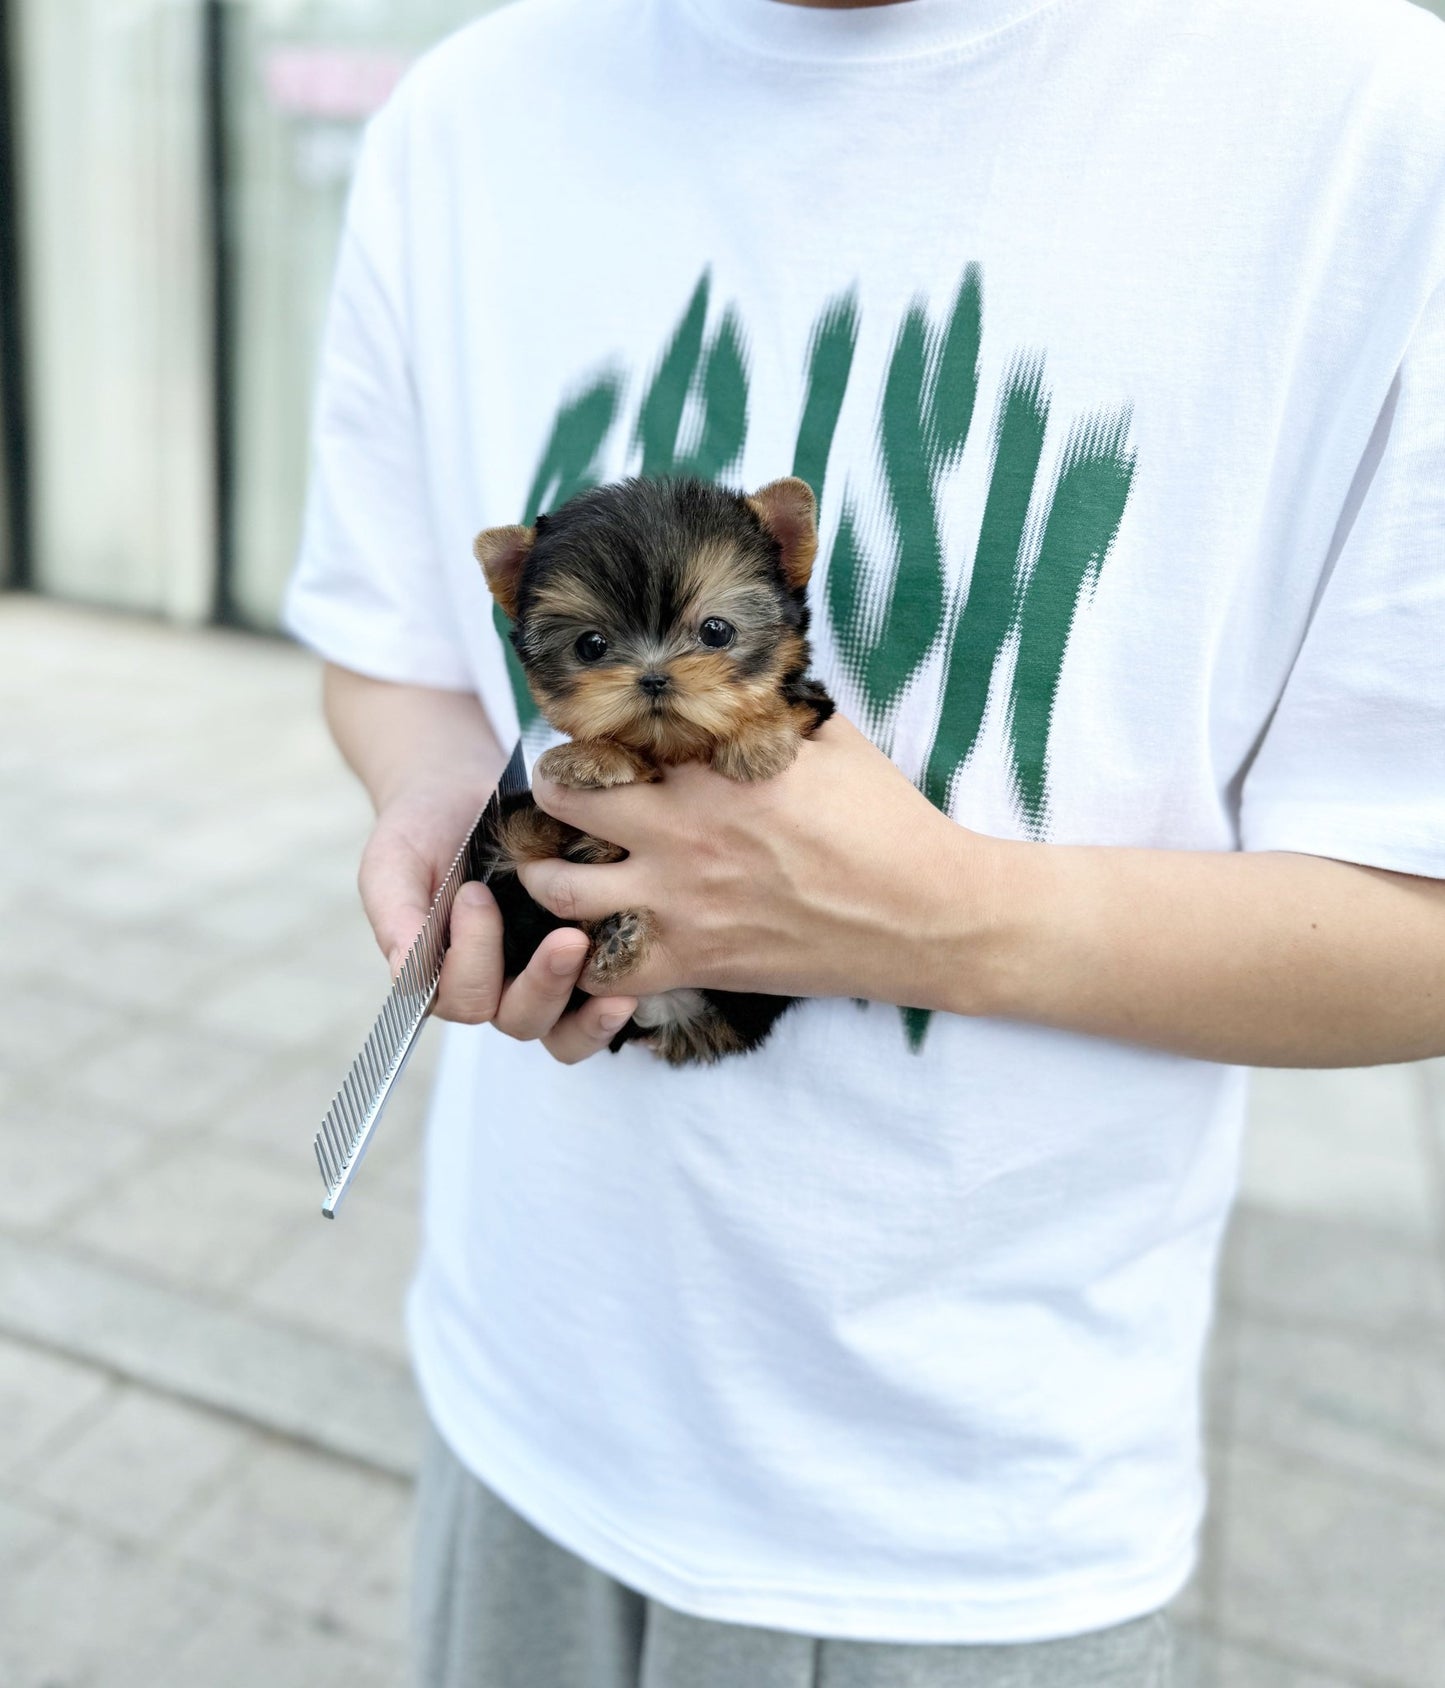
657, 622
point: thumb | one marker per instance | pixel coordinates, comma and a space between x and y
397, 884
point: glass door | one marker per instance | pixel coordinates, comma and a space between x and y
304, 77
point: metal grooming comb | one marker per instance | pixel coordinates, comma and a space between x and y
346, 1131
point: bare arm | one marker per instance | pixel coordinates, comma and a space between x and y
1267, 959
429, 758
394, 737
838, 878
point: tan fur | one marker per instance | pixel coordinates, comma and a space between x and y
620, 944
530, 834
594, 851
706, 707
603, 703
567, 599
593, 764
711, 585
701, 1040
788, 510
503, 552
759, 751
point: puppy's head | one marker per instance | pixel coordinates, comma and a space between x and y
662, 614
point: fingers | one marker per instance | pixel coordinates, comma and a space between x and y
577, 891
617, 814
534, 1005
396, 891
537, 998
590, 1029
471, 982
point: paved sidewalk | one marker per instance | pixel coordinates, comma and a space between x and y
207, 1423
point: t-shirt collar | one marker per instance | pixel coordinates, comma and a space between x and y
862, 34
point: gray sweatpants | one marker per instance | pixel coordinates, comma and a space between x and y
497, 1605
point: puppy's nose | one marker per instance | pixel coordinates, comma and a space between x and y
653, 684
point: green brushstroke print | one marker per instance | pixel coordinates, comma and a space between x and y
1084, 516
885, 630
1006, 622
716, 375
830, 363
986, 616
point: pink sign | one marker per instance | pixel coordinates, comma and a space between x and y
338, 82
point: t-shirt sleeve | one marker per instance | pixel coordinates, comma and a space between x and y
368, 590
1353, 762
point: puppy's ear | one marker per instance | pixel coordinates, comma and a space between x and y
502, 552
788, 510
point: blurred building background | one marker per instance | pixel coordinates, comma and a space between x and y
206, 1425
175, 177
171, 187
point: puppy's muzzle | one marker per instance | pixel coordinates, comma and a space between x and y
654, 684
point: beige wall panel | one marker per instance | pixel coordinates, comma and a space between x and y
118, 293
305, 74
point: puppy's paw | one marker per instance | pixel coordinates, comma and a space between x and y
619, 944
757, 755
594, 764
529, 834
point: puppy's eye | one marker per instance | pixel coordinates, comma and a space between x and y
717, 632
591, 647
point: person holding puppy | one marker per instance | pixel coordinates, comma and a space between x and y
1111, 341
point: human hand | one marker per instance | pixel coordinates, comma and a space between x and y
835, 878
410, 849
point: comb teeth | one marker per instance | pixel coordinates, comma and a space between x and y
350, 1120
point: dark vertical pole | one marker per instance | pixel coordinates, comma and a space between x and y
15, 444
218, 220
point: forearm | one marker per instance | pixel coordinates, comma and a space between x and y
412, 739
1265, 959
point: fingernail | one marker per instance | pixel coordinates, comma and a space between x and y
563, 962
612, 1022
473, 892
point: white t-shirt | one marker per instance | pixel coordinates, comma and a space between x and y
1112, 335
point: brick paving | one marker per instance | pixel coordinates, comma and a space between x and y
207, 1423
